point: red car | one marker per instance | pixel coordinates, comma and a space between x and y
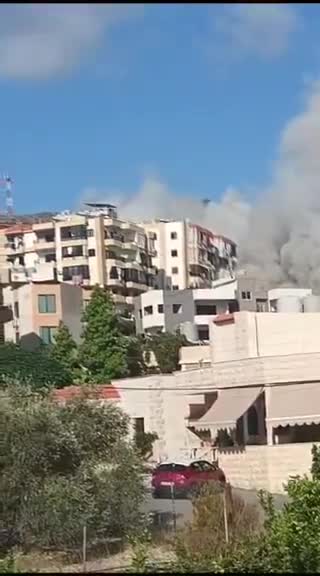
184, 479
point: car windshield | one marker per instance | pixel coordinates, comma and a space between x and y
171, 468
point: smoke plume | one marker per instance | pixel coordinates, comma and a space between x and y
278, 235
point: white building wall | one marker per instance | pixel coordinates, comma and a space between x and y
152, 298
23, 296
180, 261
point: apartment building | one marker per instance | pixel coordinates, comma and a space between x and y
188, 256
37, 308
85, 248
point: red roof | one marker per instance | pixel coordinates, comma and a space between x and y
224, 319
107, 392
18, 229
212, 235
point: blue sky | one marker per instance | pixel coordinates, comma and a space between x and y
102, 97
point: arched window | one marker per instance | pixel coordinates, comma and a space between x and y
253, 428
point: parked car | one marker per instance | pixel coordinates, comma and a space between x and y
184, 479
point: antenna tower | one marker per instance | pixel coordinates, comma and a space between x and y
6, 187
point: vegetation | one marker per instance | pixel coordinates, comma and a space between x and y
144, 443
103, 348
65, 351
166, 347
37, 369
288, 541
59, 467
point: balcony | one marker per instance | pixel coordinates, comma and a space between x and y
40, 273
15, 247
137, 286
44, 244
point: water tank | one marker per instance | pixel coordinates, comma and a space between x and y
289, 304
189, 330
311, 303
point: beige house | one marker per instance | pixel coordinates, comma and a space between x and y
37, 309
258, 403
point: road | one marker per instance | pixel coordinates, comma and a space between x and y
164, 508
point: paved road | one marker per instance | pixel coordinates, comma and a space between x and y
163, 508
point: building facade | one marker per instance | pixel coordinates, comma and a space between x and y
37, 309
190, 309
85, 248
188, 256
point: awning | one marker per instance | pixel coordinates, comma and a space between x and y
230, 405
294, 404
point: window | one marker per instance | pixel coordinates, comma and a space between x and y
171, 468
139, 425
173, 235
90, 233
47, 303
47, 334
174, 270
154, 236
91, 252
246, 295
148, 310
73, 232
262, 305
69, 272
140, 313
16, 309
253, 427
175, 287
206, 309
50, 257
176, 308
72, 251
160, 308
174, 253
203, 333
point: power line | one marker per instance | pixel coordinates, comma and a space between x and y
200, 389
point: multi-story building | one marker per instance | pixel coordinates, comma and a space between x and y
189, 256
37, 308
84, 248
190, 310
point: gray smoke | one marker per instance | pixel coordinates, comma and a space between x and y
278, 235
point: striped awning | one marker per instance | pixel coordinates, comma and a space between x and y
230, 405
294, 404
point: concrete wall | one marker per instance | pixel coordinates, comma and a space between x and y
164, 408
186, 312
193, 357
71, 308
265, 467
264, 334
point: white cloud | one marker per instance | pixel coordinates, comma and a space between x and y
261, 30
43, 40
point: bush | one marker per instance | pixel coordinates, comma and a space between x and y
65, 467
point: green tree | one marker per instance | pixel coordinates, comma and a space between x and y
63, 467
103, 348
64, 349
37, 368
166, 347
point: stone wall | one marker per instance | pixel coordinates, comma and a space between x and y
265, 467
